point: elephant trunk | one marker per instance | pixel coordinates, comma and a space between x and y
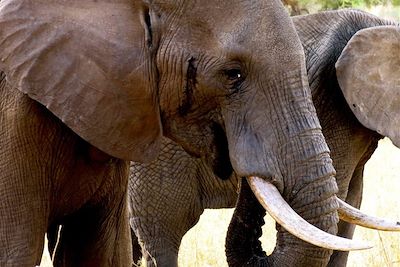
293, 156
315, 202
244, 249
242, 245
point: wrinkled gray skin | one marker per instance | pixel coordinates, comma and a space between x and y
206, 72
168, 196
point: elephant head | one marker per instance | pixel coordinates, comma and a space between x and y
214, 76
367, 72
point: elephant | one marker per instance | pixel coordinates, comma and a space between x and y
168, 196
88, 85
364, 51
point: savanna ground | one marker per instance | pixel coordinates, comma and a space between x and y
203, 245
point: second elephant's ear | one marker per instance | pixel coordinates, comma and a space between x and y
368, 72
90, 63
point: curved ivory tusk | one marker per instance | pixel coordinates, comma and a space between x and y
352, 215
270, 198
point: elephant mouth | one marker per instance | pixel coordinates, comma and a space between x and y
272, 201
221, 164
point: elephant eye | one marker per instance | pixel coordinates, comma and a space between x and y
234, 77
233, 74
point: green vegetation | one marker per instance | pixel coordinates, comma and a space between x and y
335, 4
297, 7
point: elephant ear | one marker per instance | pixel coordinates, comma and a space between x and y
91, 64
368, 72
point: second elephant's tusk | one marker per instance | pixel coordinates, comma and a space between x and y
352, 215
270, 198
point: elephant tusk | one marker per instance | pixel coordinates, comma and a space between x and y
352, 215
270, 198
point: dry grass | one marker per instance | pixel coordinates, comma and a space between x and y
381, 197
204, 244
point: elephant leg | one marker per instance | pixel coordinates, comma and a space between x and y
160, 243
160, 234
354, 198
23, 220
166, 201
98, 234
24, 209
162, 249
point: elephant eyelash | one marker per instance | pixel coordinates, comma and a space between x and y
235, 92
237, 85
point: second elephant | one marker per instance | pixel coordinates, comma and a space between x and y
168, 196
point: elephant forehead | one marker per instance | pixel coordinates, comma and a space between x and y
221, 20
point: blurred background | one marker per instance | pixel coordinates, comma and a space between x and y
383, 8
204, 245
